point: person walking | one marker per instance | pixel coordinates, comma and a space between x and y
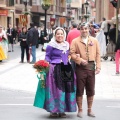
32, 40
117, 55
11, 37
112, 40
87, 47
60, 91
104, 27
102, 42
15, 34
23, 44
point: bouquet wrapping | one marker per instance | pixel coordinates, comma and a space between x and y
42, 67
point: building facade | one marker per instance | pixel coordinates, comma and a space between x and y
104, 9
57, 11
10, 11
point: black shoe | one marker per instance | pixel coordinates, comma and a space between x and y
53, 115
62, 115
111, 59
9, 51
12, 50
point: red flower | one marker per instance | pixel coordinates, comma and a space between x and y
41, 65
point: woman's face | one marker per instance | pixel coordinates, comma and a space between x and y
59, 36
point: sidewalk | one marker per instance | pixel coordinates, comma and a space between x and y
17, 76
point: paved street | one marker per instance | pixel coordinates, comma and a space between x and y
18, 84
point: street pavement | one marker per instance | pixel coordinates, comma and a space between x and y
18, 83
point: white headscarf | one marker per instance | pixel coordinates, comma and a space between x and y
64, 46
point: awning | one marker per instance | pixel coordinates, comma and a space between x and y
3, 12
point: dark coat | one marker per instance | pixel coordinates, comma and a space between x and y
32, 37
112, 35
12, 32
21, 37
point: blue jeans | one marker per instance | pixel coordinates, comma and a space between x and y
33, 52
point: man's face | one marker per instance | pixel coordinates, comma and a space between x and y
84, 31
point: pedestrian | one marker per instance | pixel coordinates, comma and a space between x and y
32, 40
51, 34
72, 34
24, 45
102, 42
60, 94
43, 37
92, 30
11, 37
112, 40
15, 34
87, 47
104, 27
3, 44
117, 55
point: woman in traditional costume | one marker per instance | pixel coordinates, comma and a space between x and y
60, 89
3, 44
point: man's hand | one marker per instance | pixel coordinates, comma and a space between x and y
77, 55
84, 62
97, 71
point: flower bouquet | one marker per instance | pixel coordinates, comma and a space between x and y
42, 67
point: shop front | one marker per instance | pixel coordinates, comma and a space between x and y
3, 17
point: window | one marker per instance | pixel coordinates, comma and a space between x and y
11, 3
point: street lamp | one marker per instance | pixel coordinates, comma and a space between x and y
25, 3
45, 6
26, 12
86, 4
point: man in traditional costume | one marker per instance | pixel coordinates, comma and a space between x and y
85, 52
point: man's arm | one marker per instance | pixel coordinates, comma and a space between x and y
73, 54
98, 59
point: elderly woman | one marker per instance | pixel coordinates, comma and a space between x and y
60, 88
3, 44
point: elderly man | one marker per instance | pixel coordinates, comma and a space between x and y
85, 52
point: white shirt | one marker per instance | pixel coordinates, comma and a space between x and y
85, 40
104, 26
